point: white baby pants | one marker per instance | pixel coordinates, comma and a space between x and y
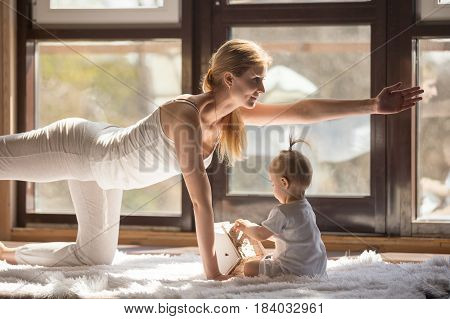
61, 151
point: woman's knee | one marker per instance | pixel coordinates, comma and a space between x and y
101, 259
98, 255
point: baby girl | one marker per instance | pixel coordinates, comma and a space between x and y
292, 225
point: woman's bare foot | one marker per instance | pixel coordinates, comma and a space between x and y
8, 254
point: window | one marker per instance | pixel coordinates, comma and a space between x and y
433, 10
291, 1
312, 62
417, 165
433, 132
377, 178
116, 73
102, 4
332, 50
103, 11
79, 79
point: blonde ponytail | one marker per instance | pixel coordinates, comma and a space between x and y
233, 139
208, 82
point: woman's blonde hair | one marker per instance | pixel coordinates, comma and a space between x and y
293, 165
235, 56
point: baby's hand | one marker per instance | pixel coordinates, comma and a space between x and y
241, 225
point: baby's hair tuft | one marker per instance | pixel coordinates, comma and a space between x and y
293, 141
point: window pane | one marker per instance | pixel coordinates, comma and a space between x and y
105, 4
88, 86
290, 1
313, 62
433, 10
433, 136
111, 12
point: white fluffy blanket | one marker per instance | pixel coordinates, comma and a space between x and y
164, 276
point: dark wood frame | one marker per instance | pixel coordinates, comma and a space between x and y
403, 28
337, 214
28, 33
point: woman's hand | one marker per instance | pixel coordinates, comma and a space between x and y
393, 100
221, 277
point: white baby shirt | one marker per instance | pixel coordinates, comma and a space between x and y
298, 245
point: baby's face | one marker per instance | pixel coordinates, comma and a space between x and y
277, 188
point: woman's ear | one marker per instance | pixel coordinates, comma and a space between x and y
228, 79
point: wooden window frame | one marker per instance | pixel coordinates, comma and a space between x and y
359, 214
401, 135
168, 13
391, 205
27, 34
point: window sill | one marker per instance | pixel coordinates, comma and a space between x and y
146, 237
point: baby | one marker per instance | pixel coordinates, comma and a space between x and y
292, 225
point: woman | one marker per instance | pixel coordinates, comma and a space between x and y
100, 160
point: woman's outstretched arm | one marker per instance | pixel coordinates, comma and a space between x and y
390, 100
188, 141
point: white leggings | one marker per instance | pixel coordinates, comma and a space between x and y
60, 151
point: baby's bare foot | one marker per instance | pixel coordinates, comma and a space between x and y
2, 248
7, 253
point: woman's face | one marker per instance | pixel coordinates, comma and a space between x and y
246, 89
